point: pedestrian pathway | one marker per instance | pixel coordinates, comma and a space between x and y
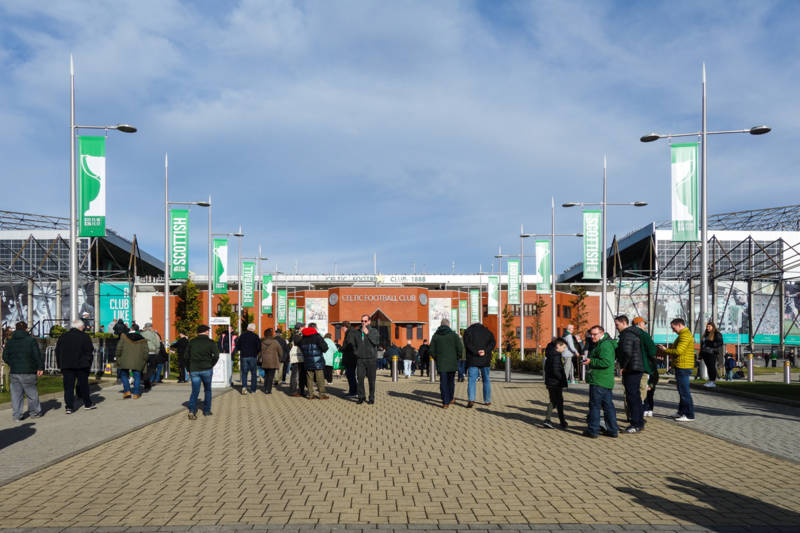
279, 461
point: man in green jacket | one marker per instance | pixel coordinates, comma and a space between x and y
600, 377
446, 349
202, 354
25, 364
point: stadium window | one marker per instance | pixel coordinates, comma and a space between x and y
419, 332
396, 331
409, 332
528, 332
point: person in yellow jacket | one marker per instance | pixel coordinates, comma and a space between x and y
682, 352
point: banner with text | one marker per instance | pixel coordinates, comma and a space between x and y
266, 294
684, 192
513, 281
543, 266
220, 266
92, 186
592, 244
474, 306
248, 283
179, 244
282, 312
115, 303
300, 315
453, 320
493, 295
292, 318
463, 315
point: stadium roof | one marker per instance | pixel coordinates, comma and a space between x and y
786, 218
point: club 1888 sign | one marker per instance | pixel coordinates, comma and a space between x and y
115, 303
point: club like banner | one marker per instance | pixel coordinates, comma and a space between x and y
513, 281
493, 295
179, 244
684, 192
92, 180
592, 244
266, 294
474, 306
220, 266
282, 311
543, 266
248, 283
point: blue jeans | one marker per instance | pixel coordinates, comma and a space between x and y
633, 396
157, 373
472, 375
462, 368
124, 376
600, 397
247, 365
199, 376
686, 405
447, 386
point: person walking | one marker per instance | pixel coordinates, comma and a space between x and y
555, 379
710, 346
600, 377
629, 355
365, 345
153, 343
25, 365
202, 354
447, 351
248, 345
572, 353
74, 351
349, 359
285, 363
329, 354
271, 355
313, 347
131, 354
424, 358
479, 343
682, 352
650, 376
180, 349
408, 354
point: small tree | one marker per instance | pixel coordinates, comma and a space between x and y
579, 315
509, 335
538, 311
226, 309
188, 309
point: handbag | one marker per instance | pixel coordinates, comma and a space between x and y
337, 360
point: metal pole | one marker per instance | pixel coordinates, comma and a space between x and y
432, 370
261, 292
166, 253
521, 294
603, 304
394, 368
210, 272
553, 266
787, 372
239, 276
73, 230
750, 376
704, 223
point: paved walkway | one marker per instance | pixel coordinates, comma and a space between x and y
278, 461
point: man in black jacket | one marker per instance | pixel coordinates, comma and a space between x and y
74, 351
479, 343
349, 359
629, 356
180, 348
407, 353
201, 355
555, 379
365, 342
424, 354
248, 344
284, 355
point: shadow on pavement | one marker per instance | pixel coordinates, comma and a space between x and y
418, 396
718, 507
13, 435
51, 405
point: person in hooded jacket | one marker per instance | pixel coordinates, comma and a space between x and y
74, 352
349, 359
479, 343
24, 360
271, 354
407, 354
555, 379
629, 355
313, 347
132, 354
447, 351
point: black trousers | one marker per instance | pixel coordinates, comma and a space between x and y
711, 366
556, 400
181, 370
73, 377
328, 373
352, 384
366, 368
269, 379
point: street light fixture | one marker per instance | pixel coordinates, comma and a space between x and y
210, 271
703, 133
259, 258
500, 256
73, 194
605, 203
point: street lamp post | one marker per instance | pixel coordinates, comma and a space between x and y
73, 192
258, 259
703, 134
210, 248
552, 235
500, 256
167, 261
604, 266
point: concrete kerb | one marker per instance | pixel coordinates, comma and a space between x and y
743, 394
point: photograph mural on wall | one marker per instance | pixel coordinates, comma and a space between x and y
791, 312
632, 299
438, 308
671, 300
766, 313
317, 311
14, 304
733, 315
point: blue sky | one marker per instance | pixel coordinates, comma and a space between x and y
425, 132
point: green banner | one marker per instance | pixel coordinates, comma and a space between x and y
513, 281
266, 294
179, 244
463, 314
474, 306
92, 186
300, 314
115, 303
684, 192
248, 283
292, 312
282, 311
220, 266
592, 244
543, 266
493, 295
454, 319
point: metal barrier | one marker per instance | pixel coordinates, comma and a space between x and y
98, 360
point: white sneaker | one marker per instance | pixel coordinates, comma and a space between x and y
709, 385
684, 418
648, 413
245, 392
